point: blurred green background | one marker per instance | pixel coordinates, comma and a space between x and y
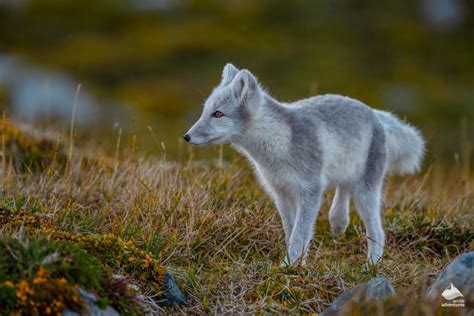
145, 63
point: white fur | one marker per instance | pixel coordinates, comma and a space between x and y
301, 149
405, 144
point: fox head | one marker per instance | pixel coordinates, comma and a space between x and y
228, 110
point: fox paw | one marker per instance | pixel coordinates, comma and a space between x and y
339, 226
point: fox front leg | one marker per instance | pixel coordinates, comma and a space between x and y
304, 225
287, 208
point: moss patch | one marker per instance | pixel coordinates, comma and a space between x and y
89, 261
39, 276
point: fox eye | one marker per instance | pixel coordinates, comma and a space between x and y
217, 114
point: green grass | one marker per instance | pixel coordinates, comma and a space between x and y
222, 238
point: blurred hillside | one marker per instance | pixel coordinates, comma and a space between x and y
155, 61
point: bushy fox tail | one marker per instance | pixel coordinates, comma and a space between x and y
405, 144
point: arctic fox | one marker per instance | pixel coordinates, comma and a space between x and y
302, 148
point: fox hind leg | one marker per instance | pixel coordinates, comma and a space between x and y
368, 207
339, 212
368, 194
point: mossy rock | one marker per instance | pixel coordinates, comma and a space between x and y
39, 276
115, 255
120, 255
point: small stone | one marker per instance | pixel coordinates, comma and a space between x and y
459, 273
173, 295
377, 289
89, 300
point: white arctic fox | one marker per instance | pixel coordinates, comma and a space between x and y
302, 148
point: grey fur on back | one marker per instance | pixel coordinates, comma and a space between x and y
300, 149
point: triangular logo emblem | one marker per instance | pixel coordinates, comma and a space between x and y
451, 292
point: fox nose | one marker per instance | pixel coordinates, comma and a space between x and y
186, 137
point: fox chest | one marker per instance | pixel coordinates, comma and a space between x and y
276, 174
277, 177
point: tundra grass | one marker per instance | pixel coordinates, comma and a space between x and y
221, 236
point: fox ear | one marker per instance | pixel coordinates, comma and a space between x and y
245, 85
228, 73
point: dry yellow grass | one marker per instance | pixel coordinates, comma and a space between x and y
222, 238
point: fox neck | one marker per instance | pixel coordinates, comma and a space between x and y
268, 134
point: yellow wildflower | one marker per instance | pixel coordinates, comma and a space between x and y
9, 283
42, 271
38, 280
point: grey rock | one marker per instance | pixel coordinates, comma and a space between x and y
90, 307
172, 295
459, 272
377, 289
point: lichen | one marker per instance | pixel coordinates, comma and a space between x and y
120, 255
12, 220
